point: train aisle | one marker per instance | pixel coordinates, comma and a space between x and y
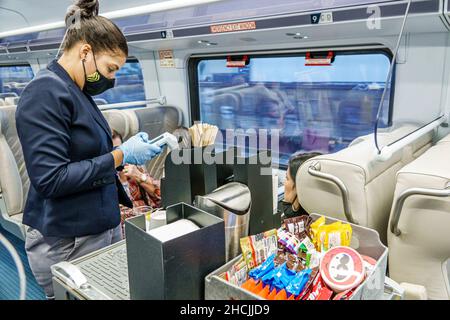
9, 281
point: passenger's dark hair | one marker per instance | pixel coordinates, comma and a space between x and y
297, 159
84, 24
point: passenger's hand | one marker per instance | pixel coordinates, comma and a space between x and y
137, 150
132, 172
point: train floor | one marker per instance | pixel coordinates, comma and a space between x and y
9, 281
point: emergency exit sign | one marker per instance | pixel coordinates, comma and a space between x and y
322, 18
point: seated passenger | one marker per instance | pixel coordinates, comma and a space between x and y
291, 204
142, 189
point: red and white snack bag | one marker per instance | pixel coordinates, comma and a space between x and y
317, 287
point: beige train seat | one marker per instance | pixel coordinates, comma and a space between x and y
153, 120
121, 122
2, 102
14, 181
352, 185
419, 227
11, 101
445, 139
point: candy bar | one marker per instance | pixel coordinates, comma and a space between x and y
256, 249
317, 286
289, 241
296, 225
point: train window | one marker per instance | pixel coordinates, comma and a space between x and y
13, 80
315, 108
129, 85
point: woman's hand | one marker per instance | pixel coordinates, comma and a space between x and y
137, 150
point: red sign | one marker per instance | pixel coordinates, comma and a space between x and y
233, 27
319, 61
237, 63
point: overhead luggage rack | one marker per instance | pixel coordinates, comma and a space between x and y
182, 22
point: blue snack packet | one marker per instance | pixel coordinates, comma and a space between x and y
268, 278
296, 286
261, 270
283, 277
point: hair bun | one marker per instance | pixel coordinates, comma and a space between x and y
86, 9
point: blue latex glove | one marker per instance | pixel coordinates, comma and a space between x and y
137, 150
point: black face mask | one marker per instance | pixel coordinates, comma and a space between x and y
96, 83
286, 209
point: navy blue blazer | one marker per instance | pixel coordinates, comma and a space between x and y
66, 143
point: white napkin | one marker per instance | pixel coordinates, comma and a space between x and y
173, 230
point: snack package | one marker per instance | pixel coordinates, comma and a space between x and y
314, 230
264, 293
249, 284
256, 289
313, 259
258, 272
296, 286
281, 258
290, 242
338, 234
316, 289
282, 295
269, 277
294, 263
308, 286
238, 273
282, 278
257, 248
296, 225
323, 235
307, 245
325, 293
332, 235
272, 294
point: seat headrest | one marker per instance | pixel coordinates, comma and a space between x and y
157, 120
446, 139
8, 119
118, 121
370, 183
361, 152
433, 165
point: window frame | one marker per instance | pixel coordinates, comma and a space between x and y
21, 64
194, 60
